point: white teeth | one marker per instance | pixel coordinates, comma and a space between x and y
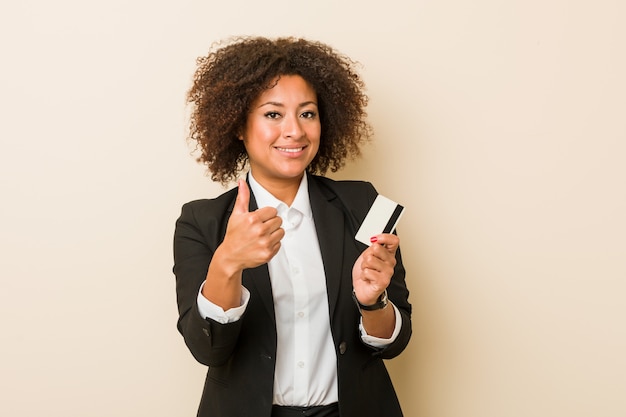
291, 150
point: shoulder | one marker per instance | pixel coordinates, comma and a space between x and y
353, 197
214, 208
359, 190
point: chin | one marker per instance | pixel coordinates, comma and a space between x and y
292, 171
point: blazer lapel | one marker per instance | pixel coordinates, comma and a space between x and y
329, 224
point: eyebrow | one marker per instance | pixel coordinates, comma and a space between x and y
277, 104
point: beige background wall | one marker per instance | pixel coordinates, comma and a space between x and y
499, 124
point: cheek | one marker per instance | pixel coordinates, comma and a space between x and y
260, 132
314, 132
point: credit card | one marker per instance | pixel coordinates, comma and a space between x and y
382, 217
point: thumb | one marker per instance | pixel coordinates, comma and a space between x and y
243, 197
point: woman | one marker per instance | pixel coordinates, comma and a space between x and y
290, 313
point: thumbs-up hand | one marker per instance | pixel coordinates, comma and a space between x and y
252, 238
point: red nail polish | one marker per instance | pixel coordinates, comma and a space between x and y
373, 239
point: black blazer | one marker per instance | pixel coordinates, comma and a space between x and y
241, 355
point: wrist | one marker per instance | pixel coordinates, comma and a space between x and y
223, 262
381, 302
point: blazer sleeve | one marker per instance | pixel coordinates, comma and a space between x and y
197, 234
398, 293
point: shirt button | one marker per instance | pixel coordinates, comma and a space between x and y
295, 270
300, 364
343, 346
300, 314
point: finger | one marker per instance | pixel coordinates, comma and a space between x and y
265, 214
378, 257
376, 280
242, 202
379, 252
388, 240
271, 227
372, 262
278, 234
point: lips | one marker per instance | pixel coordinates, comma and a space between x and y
290, 150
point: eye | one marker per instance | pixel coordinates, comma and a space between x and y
272, 115
309, 114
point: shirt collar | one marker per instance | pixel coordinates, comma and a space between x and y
264, 198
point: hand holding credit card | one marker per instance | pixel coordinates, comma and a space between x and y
382, 217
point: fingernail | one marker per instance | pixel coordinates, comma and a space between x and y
373, 239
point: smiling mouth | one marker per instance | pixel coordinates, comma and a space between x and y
291, 150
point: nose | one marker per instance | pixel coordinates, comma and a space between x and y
292, 127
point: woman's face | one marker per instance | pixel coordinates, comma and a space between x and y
282, 133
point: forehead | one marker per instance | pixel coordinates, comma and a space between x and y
288, 87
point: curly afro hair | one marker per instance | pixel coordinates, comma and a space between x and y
235, 73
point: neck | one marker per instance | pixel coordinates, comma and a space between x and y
284, 190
